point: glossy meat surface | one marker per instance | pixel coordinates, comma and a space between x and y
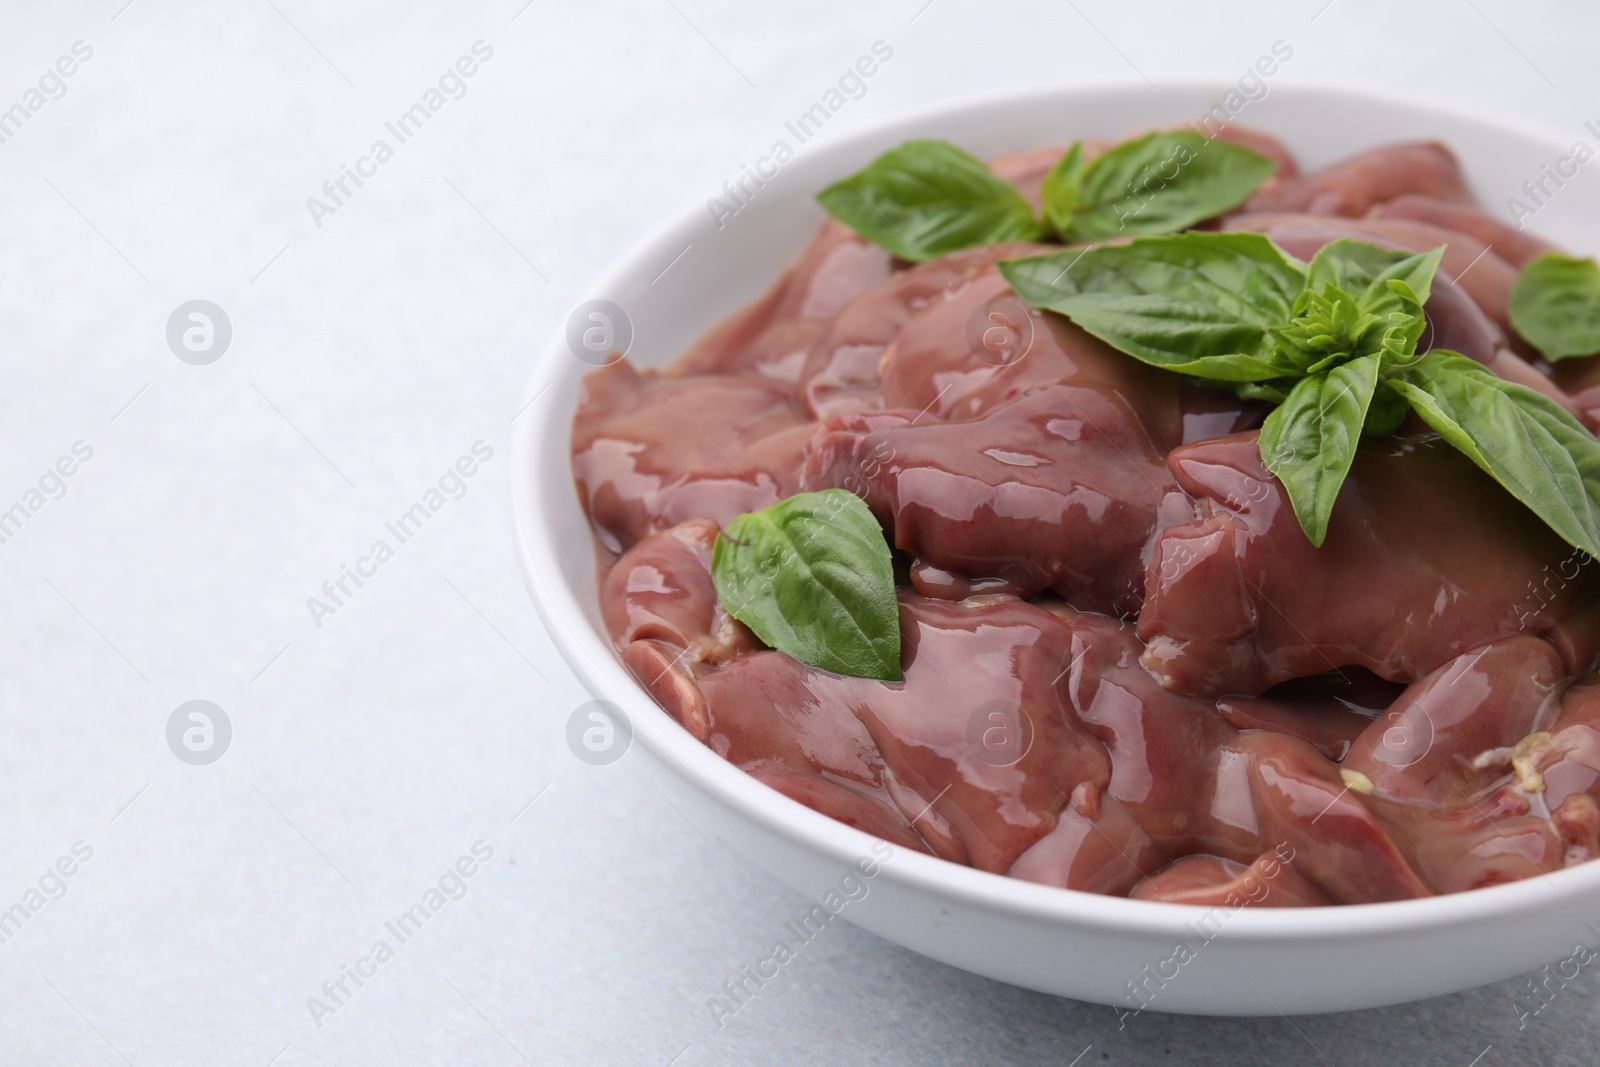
772, 336
650, 450
1059, 490
840, 371
1426, 557
1514, 246
963, 663
1354, 186
981, 347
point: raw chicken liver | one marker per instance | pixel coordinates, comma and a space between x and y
1126, 669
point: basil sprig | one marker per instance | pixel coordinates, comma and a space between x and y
1555, 306
812, 577
928, 198
1333, 344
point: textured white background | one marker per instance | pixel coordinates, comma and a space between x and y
370, 354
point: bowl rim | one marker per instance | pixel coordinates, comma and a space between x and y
599, 671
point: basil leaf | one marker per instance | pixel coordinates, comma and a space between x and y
1402, 307
1386, 413
926, 198
1364, 270
812, 576
1555, 306
1526, 441
1197, 303
1058, 194
1273, 391
1309, 441
1161, 183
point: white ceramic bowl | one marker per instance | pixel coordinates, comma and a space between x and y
1090, 947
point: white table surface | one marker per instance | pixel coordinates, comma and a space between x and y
369, 353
